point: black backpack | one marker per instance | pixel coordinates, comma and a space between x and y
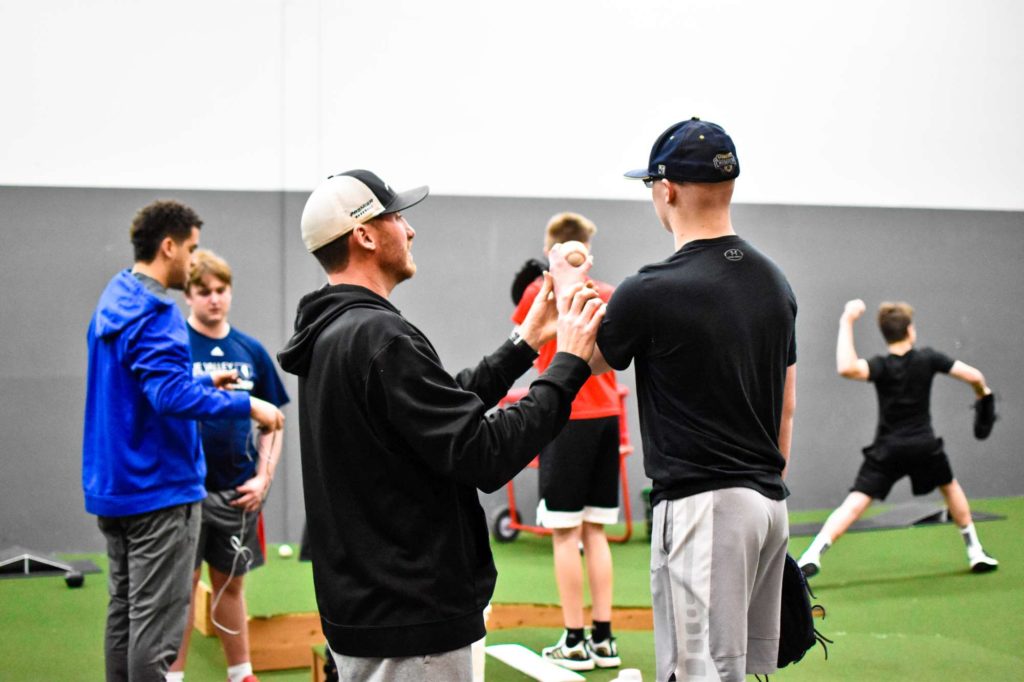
797, 633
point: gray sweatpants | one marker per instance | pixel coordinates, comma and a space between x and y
150, 584
450, 666
716, 584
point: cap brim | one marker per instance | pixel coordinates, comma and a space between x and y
407, 199
638, 174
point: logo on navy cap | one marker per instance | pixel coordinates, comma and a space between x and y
726, 163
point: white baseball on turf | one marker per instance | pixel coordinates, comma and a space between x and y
284, 551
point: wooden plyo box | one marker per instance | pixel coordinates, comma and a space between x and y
275, 642
286, 640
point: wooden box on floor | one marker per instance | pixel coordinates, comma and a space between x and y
318, 664
275, 642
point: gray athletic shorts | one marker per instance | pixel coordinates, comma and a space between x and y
716, 584
449, 666
228, 539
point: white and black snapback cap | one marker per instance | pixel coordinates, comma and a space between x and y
343, 201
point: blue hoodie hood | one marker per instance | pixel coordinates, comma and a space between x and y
123, 302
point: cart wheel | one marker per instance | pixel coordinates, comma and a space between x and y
502, 528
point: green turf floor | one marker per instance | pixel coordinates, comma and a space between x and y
901, 606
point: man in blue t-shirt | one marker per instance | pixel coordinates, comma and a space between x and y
240, 465
905, 443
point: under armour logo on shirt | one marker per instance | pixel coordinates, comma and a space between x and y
733, 254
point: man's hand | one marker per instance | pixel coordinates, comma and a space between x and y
579, 320
223, 378
538, 326
266, 415
252, 493
853, 309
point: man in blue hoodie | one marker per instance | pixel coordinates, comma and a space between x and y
142, 463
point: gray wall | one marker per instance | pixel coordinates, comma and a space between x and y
960, 269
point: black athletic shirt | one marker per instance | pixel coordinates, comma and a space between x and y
904, 385
712, 330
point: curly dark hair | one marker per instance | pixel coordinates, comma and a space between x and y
164, 218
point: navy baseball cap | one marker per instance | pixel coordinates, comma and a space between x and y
691, 151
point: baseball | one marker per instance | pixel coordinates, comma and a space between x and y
575, 253
284, 551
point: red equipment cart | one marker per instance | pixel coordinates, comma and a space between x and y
507, 522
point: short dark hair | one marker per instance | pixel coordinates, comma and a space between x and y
164, 218
894, 319
333, 256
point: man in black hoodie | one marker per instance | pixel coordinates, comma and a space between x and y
394, 448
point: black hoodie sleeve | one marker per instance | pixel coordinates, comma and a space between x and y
495, 374
413, 399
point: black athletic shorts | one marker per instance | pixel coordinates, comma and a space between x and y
884, 464
228, 539
579, 475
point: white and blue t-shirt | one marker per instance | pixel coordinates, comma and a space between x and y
229, 444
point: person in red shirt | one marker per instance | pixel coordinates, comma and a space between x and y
578, 495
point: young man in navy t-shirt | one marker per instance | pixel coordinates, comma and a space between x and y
905, 443
240, 465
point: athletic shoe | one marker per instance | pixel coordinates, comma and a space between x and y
571, 657
984, 415
982, 562
250, 678
605, 654
810, 568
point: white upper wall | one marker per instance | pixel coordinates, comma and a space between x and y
878, 103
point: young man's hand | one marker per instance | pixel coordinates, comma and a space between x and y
854, 309
252, 493
565, 275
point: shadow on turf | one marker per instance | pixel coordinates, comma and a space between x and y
818, 584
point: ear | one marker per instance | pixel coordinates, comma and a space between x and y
167, 247
669, 189
364, 237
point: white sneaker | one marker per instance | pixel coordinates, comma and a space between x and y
981, 562
571, 657
605, 654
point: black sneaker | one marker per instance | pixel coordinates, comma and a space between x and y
571, 657
605, 654
810, 568
984, 415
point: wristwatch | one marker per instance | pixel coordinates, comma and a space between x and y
515, 337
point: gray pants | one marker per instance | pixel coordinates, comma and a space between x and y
150, 584
450, 666
716, 585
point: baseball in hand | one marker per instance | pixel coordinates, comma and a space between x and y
575, 253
